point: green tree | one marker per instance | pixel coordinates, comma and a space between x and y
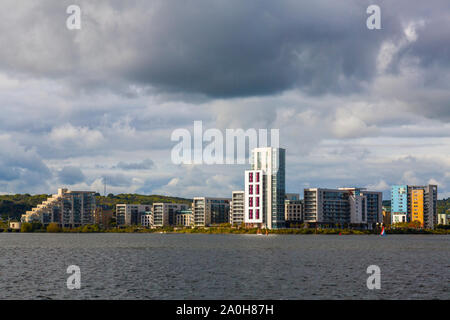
90, 228
26, 227
53, 227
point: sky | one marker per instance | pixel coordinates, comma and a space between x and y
354, 107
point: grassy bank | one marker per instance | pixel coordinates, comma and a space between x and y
54, 228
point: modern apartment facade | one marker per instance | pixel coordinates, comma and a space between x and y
69, 209
293, 211
237, 208
210, 211
411, 203
293, 208
103, 216
265, 189
147, 219
164, 214
430, 194
130, 214
374, 201
342, 207
399, 218
444, 218
417, 207
185, 218
399, 199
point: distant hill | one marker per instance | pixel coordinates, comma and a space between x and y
111, 200
444, 205
13, 206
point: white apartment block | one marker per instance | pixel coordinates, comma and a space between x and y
147, 220
358, 209
130, 214
185, 218
69, 209
237, 208
210, 211
265, 189
164, 213
443, 218
399, 217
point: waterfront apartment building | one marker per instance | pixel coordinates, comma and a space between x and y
444, 218
399, 199
387, 220
130, 214
103, 216
354, 207
374, 201
265, 189
147, 219
237, 207
414, 203
210, 211
293, 209
185, 218
417, 208
398, 217
69, 209
423, 205
164, 213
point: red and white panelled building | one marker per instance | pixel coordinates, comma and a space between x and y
254, 200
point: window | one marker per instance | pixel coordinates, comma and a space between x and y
250, 214
257, 189
250, 189
250, 202
257, 201
250, 177
257, 213
257, 177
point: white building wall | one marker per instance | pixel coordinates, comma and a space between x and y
358, 205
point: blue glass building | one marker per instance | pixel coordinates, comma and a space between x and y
399, 199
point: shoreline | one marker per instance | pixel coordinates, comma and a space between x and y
219, 230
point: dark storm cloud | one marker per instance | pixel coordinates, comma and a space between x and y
109, 95
70, 175
237, 48
217, 48
227, 48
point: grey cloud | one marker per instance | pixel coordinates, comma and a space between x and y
143, 165
116, 89
153, 184
219, 48
117, 180
21, 169
70, 175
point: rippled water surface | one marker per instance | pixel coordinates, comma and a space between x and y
200, 266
